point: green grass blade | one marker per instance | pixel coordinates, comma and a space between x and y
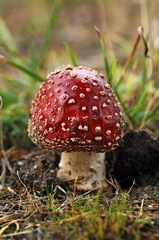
105, 56
9, 50
144, 72
22, 68
119, 81
153, 115
6, 38
113, 69
107, 69
9, 98
71, 55
0, 103
141, 101
123, 106
46, 39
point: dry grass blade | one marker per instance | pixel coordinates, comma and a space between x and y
100, 36
131, 187
141, 208
15, 234
105, 55
3, 157
6, 226
140, 36
130, 57
4, 218
114, 183
75, 218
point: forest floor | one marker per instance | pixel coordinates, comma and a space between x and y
34, 204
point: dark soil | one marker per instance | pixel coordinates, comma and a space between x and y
137, 158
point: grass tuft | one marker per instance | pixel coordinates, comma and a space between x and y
76, 216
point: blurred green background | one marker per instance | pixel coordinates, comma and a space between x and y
38, 35
118, 20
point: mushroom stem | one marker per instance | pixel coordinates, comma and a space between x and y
86, 169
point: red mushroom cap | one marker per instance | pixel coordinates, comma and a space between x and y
75, 110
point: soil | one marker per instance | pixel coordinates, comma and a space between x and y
137, 158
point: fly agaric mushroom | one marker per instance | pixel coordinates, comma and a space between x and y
76, 113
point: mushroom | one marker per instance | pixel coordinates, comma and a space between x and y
76, 113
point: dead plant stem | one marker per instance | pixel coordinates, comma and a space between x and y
3, 157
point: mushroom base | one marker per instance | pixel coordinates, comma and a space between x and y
84, 170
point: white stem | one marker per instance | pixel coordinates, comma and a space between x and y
88, 168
